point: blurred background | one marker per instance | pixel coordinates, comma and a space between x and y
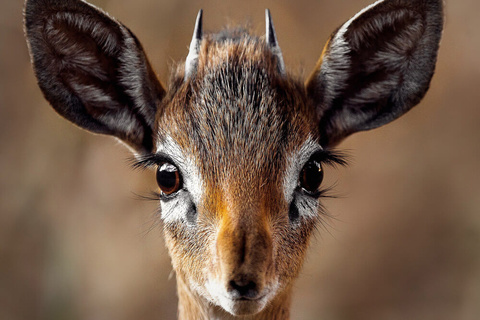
404, 240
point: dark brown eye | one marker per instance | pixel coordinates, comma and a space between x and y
168, 178
311, 177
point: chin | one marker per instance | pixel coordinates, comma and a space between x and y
243, 307
218, 296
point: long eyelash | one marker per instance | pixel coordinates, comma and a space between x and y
329, 192
142, 162
147, 161
324, 218
329, 157
151, 196
323, 222
334, 158
154, 221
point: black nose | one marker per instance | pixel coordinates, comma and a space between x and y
243, 289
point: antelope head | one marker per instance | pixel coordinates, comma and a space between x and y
238, 144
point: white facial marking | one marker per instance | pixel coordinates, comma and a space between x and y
307, 206
179, 206
297, 161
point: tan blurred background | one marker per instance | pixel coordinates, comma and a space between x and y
76, 243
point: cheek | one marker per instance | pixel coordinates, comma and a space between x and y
291, 242
178, 210
190, 250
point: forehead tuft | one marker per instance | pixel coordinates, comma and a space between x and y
237, 110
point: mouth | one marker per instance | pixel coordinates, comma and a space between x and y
241, 306
248, 299
244, 306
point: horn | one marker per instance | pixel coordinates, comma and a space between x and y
192, 58
272, 41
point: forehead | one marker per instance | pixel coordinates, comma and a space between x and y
237, 112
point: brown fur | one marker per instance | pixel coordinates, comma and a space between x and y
242, 122
237, 141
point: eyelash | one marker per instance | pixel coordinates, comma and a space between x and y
149, 161
327, 157
332, 158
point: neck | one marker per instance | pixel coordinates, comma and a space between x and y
193, 306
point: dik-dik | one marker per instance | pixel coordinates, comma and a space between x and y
238, 143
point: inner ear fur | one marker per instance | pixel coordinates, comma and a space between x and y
375, 67
93, 70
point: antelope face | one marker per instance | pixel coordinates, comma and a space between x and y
239, 218
237, 143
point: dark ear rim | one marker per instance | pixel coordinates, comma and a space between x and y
141, 89
338, 117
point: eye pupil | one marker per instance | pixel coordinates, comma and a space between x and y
311, 177
168, 178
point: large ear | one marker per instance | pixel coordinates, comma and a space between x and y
93, 70
375, 67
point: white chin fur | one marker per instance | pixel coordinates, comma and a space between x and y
243, 307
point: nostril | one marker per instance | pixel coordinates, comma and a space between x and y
243, 289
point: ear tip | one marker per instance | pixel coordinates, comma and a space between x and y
34, 8
439, 3
440, 7
435, 6
31, 9
31, 6
432, 6
38, 5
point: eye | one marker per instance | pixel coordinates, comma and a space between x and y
169, 178
311, 177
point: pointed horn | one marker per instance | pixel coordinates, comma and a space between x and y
272, 41
192, 58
